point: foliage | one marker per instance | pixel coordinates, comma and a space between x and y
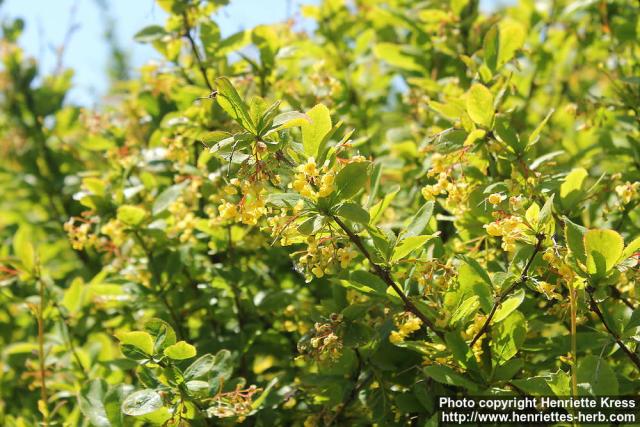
282, 228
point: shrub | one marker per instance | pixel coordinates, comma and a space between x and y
282, 228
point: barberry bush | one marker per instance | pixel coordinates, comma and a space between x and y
332, 226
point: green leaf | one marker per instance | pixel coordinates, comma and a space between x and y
480, 105
604, 249
574, 235
396, 55
460, 350
511, 38
474, 280
631, 249
73, 299
535, 386
201, 367
138, 339
142, 402
180, 351
491, 47
508, 306
504, 132
222, 370
263, 396
446, 375
420, 220
167, 197
535, 135
369, 280
314, 132
290, 119
407, 245
351, 179
596, 378
23, 248
559, 383
131, 215
91, 403
376, 211
231, 102
468, 307
508, 336
150, 34
162, 332
353, 212
545, 222
571, 189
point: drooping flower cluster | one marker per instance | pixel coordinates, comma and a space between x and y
236, 403
627, 191
322, 256
510, 228
407, 323
313, 182
244, 201
80, 233
325, 340
456, 189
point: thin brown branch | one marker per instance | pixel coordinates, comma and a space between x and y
41, 354
594, 307
615, 292
523, 278
385, 275
196, 53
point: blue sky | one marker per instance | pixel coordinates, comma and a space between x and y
48, 21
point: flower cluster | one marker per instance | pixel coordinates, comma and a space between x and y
407, 323
251, 205
313, 182
322, 256
80, 235
325, 341
236, 403
456, 189
627, 191
510, 228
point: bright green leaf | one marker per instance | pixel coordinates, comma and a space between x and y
180, 350
480, 105
604, 249
314, 132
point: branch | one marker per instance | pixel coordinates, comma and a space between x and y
615, 292
523, 278
385, 275
594, 307
196, 54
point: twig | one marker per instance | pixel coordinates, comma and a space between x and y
196, 54
159, 292
594, 307
41, 355
353, 394
523, 278
385, 275
615, 292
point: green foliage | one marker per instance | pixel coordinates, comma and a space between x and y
414, 200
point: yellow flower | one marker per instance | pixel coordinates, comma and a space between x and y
318, 272
627, 191
309, 168
496, 198
493, 229
326, 184
230, 190
228, 210
396, 337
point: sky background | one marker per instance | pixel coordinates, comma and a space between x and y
47, 22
